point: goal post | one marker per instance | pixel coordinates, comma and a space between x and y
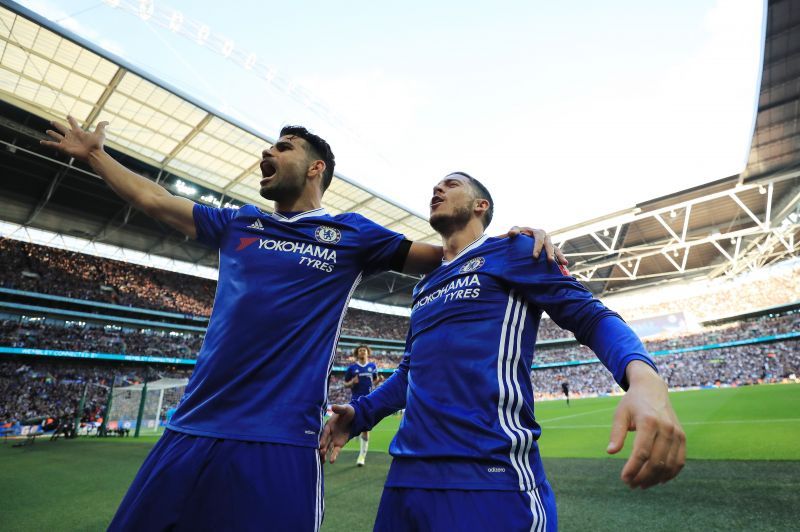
139, 407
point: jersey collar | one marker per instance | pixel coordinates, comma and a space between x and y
308, 214
470, 247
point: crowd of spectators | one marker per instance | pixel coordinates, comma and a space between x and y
35, 389
55, 271
38, 334
735, 366
718, 299
374, 325
728, 332
779, 285
28, 391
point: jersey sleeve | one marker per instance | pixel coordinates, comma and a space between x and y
387, 399
349, 373
380, 247
210, 223
572, 307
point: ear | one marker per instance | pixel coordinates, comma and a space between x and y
480, 206
316, 168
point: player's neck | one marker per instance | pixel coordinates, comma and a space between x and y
452, 244
308, 201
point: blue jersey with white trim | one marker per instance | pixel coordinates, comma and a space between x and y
465, 378
284, 286
366, 375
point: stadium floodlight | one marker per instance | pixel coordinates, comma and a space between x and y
146, 8
227, 48
176, 21
184, 188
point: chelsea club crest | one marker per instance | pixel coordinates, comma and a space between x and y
327, 235
471, 265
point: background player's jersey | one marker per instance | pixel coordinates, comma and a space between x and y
284, 285
366, 375
465, 378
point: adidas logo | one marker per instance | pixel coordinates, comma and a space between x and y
256, 225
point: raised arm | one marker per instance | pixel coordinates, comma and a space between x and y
150, 198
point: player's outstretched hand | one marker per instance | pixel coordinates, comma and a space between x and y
73, 140
541, 240
659, 449
336, 432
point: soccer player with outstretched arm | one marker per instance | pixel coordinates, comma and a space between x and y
240, 452
466, 454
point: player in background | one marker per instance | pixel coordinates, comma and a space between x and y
565, 389
253, 408
466, 453
360, 378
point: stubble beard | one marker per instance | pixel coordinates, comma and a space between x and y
446, 225
287, 191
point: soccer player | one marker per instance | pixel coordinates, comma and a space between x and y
466, 454
240, 451
565, 389
360, 377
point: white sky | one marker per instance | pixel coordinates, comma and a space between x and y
565, 110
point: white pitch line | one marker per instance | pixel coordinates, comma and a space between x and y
727, 422
550, 420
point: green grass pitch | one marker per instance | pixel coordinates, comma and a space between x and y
743, 471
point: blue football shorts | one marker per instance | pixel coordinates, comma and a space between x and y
198, 483
428, 510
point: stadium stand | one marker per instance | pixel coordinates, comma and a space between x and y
59, 272
32, 389
733, 366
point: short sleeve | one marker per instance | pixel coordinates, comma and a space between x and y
349, 373
210, 223
380, 246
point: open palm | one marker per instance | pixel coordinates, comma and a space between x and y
73, 140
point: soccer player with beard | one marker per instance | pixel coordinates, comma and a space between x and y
466, 455
240, 452
360, 377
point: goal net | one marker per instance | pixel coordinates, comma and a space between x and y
144, 405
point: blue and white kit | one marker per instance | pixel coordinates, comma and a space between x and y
464, 380
366, 376
258, 391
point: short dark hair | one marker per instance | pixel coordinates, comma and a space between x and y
365, 346
320, 147
480, 192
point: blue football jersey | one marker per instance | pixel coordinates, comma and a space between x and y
465, 377
283, 290
366, 374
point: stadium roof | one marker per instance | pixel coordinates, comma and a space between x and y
51, 73
723, 227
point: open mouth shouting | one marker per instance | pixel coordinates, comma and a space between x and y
268, 170
435, 201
